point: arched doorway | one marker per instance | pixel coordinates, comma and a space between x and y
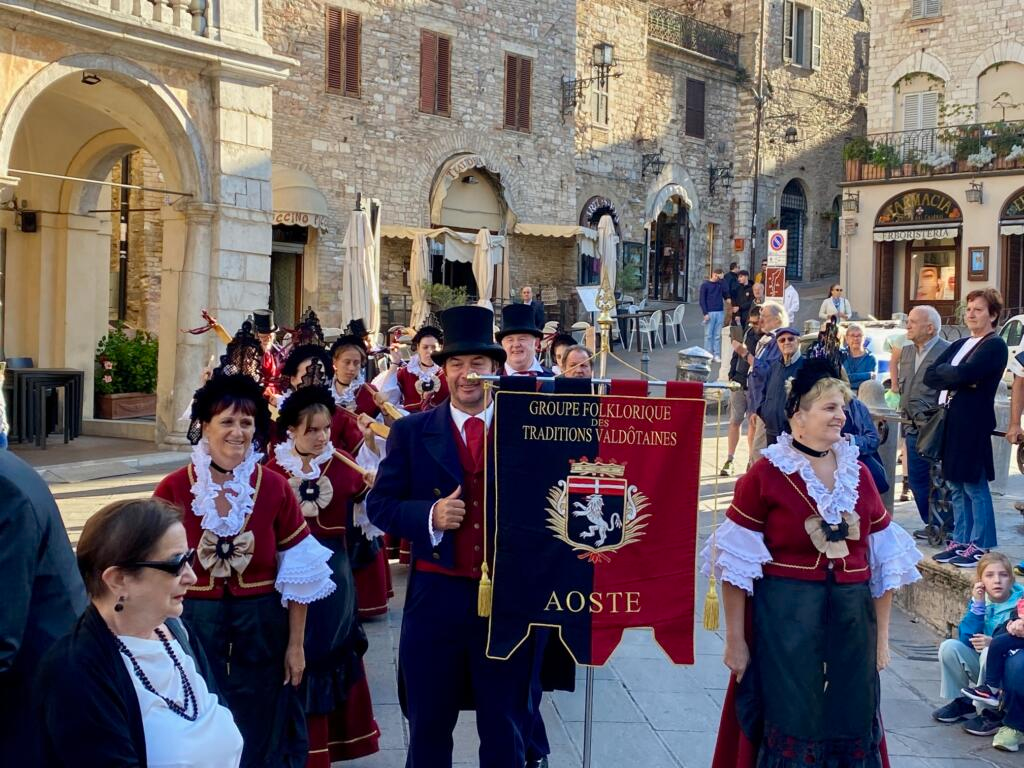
668, 267
917, 238
1011, 231
793, 218
61, 137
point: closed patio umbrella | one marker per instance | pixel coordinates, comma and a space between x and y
360, 291
419, 270
607, 242
483, 268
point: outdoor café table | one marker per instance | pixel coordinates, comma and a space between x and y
626, 318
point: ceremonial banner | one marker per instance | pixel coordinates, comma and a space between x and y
596, 509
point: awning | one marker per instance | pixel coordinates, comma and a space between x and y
901, 234
555, 230
1011, 228
297, 199
458, 246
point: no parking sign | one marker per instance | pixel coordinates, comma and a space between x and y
777, 247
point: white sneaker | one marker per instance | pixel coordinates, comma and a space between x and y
716, 359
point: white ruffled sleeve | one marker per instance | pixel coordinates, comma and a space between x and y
739, 555
362, 521
893, 558
303, 575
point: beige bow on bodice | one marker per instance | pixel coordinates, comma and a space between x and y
220, 555
831, 539
313, 495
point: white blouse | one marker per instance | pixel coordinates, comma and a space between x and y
212, 741
739, 554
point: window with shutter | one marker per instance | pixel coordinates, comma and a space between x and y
787, 30
511, 89
525, 90
518, 87
925, 9
930, 109
816, 39
599, 100
912, 112
435, 73
343, 52
694, 108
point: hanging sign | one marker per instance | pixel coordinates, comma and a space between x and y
777, 247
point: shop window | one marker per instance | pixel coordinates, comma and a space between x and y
343, 41
801, 35
435, 73
933, 271
631, 275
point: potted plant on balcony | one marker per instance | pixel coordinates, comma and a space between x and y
968, 143
1004, 138
126, 365
884, 157
855, 154
935, 161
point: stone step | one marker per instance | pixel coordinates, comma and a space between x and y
940, 597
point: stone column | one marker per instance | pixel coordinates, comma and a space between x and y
185, 293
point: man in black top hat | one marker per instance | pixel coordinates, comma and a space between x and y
518, 336
430, 490
265, 328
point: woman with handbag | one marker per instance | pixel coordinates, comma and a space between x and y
968, 374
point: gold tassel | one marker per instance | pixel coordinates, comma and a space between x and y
483, 598
711, 607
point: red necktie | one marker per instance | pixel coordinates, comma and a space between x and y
474, 428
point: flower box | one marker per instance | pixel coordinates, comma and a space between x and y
127, 405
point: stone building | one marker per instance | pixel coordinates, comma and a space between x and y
84, 85
934, 193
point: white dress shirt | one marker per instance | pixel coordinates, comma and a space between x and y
536, 366
460, 418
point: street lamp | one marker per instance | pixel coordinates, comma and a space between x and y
721, 173
791, 136
651, 161
603, 61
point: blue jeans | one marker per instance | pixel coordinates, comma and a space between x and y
975, 519
1013, 692
918, 475
713, 332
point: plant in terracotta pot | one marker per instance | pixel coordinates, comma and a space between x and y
884, 157
125, 378
1002, 141
856, 152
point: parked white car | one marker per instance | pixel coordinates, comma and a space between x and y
1013, 334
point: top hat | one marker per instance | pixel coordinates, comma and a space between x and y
357, 328
518, 318
263, 321
468, 331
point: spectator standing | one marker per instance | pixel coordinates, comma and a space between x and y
858, 363
577, 363
967, 374
43, 596
791, 301
538, 306
759, 277
773, 408
712, 304
731, 279
757, 289
742, 298
760, 360
917, 399
739, 410
835, 305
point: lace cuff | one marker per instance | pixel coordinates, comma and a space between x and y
362, 521
893, 558
303, 575
739, 555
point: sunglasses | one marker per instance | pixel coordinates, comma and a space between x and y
174, 566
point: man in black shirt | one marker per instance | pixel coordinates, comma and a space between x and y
742, 298
738, 370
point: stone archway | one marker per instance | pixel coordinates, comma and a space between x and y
60, 125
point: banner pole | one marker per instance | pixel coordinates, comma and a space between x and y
588, 717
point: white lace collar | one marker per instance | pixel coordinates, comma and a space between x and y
415, 366
347, 399
289, 460
831, 504
240, 500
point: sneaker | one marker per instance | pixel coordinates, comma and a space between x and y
952, 549
1008, 739
983, 694
968, 558
955, 711
985, 724
923, 533
716, 359
726, 468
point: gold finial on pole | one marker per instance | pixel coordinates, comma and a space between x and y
605, 305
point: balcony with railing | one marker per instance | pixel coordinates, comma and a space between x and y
680, 31
977, 148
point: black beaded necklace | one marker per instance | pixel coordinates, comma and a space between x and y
189, 708
810, 451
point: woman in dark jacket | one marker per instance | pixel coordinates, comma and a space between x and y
127, 688
968, 373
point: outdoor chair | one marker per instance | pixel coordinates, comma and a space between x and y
651, 325
675, 323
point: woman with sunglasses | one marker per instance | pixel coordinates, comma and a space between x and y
335, 694
835, 305
258, 569
130, 686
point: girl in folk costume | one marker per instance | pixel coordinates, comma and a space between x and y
259, 568
419, 384
350, 389
809, 558
310, 365
335, 693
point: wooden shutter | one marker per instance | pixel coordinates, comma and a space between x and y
444, 76
912, 112
816, 39
353, 26
428, 71
694, 108
525, 88
788, 20
334, 46
932, 7
511, 89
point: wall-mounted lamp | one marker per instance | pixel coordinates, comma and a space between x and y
603, 61
651, 161
90, 78
791, 136
851, 202
721, 174
974, 192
